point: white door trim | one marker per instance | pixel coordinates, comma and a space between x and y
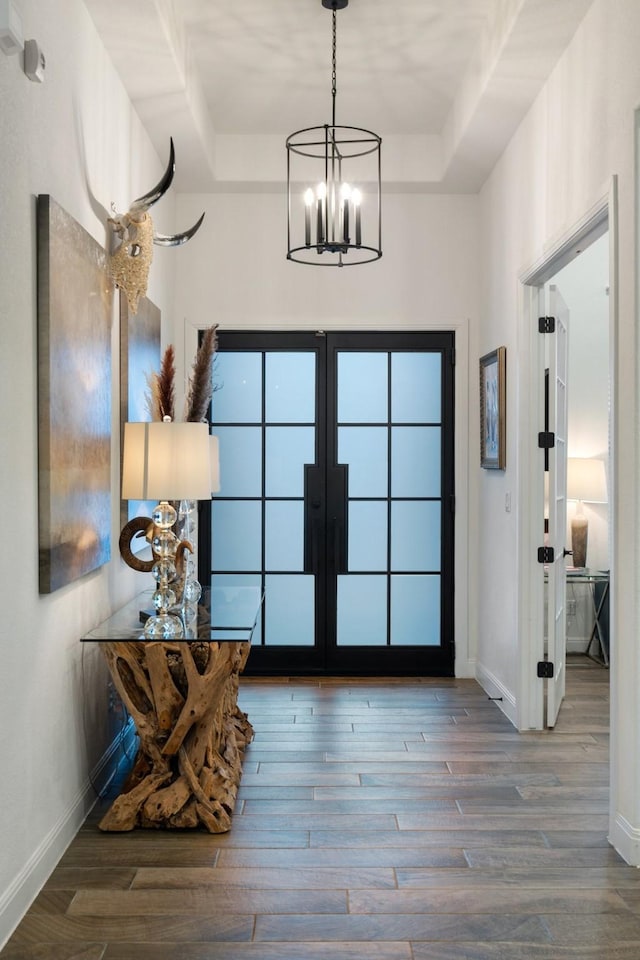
600, 217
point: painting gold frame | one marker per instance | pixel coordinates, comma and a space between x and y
493, 410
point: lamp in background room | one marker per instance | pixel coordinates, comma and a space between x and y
586, 483
330, 221
167, 461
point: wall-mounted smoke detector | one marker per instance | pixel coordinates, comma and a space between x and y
11, 38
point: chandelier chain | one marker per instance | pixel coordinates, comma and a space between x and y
333, 67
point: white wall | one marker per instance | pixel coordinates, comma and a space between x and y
73, 136
235, 273
579, 133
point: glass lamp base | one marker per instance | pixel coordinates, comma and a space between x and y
163, 626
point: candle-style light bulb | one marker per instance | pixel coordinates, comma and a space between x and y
321, 194
345, 195
356, 197
308, 201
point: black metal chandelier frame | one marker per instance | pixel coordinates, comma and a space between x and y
337, 217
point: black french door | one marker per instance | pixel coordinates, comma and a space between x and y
336, 499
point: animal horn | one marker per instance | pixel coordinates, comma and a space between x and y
181, 549
177, 238
148, 200
135, 528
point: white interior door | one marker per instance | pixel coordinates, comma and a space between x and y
557, 583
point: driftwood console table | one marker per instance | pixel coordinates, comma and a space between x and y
182, 696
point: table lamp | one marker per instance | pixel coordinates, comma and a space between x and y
586, 482
167, 461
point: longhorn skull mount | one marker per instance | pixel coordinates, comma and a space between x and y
131, 261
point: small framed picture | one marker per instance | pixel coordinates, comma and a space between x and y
493, 409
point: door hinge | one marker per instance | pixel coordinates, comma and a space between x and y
546, 439
453, 356
546, 324
545, 669
546, 555
452, 503
320, 333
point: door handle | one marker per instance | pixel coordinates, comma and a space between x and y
313, 513
337, 509
325, 502
338, 546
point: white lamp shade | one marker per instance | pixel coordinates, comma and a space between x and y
586, 480
168, 461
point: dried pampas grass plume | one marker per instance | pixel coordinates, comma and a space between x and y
161, 395
200, 389
166, 384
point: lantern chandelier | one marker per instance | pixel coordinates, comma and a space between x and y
331, 221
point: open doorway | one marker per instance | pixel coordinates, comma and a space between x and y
584, 285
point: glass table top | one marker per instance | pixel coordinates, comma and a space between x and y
226, 615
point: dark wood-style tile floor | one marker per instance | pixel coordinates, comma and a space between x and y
377, 820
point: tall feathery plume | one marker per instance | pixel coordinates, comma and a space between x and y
200, 388
166, 385
151, 396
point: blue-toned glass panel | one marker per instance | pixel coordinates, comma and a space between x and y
415, 611
415, 461
237, 382
362, 611
235, 602
236, 535
284, 535
367, 535
416, 387
288, 449
240, 461
415, 535
362, 387
365, 450
290, 387
289, 610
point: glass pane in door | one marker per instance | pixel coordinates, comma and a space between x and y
362, 387
237, 387
362, 611
416, 387
289, 611
290, 387
365, 451
415, 610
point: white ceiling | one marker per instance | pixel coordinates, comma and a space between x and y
444, 82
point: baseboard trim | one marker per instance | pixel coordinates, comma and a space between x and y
16, 900
577, 644
625, 839
496, 691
